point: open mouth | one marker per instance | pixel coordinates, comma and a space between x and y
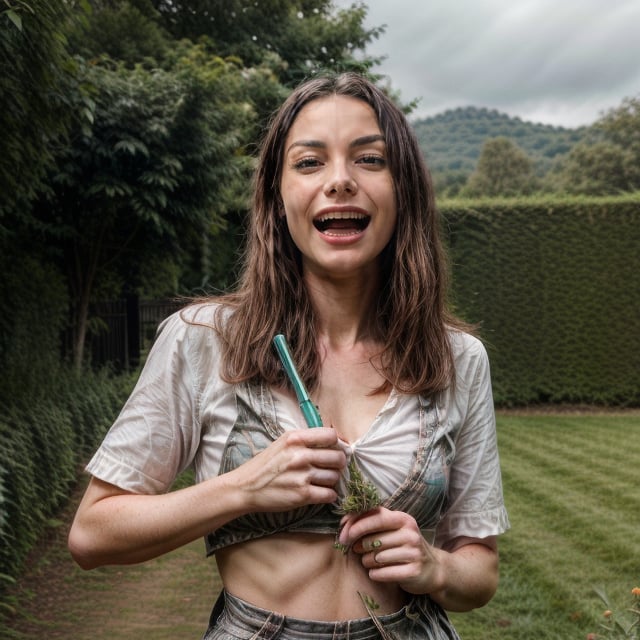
337, 223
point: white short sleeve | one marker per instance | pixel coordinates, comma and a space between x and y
157, 433
476, 505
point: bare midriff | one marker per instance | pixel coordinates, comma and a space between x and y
304, 576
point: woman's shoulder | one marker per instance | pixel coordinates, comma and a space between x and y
191, 337
208, 314
192, 329
466, 345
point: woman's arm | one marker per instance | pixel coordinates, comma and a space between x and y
114, 526
469, 574
460, 577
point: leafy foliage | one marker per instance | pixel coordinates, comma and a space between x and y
306, 34
150, 166
42, 441
598, 169
29, 346
611, 163
50, 416
35, 70
621, 125
127, 31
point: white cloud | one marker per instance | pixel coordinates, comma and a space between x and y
562, 63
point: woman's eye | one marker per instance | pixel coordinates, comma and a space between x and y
373, 159
306, 163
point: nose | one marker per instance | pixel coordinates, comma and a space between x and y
341, 182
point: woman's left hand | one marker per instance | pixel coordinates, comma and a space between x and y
393, 549
461, 576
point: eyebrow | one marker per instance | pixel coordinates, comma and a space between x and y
318, 144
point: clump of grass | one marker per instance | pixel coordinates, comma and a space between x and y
361, 494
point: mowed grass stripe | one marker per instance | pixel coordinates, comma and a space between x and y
576, 496
571, 530
618, 449
560, 548
615, 482
581, 440
559, 565
534, 599
583, 434
615, 475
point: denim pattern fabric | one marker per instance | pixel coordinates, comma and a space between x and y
420, 619
252, 433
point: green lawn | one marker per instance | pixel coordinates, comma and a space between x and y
572, 488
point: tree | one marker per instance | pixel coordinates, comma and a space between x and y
610, 162
306, 34
125, 30
449, 182
146, 139
35, 75
621, 126
503, 169
151, 168
599, 168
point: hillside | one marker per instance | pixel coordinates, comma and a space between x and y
452, 141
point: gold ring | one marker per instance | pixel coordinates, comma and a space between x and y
376, 544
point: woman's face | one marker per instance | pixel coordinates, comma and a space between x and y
337, 189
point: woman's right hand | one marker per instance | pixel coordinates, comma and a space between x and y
301, 467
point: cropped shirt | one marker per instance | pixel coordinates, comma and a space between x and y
434, 458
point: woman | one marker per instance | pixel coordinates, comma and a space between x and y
344, 259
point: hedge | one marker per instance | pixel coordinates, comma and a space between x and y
554, 286
51, 417
42, 447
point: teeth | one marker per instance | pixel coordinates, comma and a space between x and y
342, 216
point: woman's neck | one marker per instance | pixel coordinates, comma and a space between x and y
344, 308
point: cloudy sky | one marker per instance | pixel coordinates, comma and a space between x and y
560, 62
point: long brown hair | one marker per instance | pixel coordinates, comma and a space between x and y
411, 320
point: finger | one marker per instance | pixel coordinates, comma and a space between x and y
317, 437
324, 477
384, 541
328, 458
371, 544
384, 558
366, 527
376, 522
346, 524
368, 545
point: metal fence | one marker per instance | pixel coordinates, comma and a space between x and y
123, 330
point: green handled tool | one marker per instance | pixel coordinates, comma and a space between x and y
309, 410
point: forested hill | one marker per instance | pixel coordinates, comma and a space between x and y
452, 141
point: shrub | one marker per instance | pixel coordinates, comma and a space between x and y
554, 286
